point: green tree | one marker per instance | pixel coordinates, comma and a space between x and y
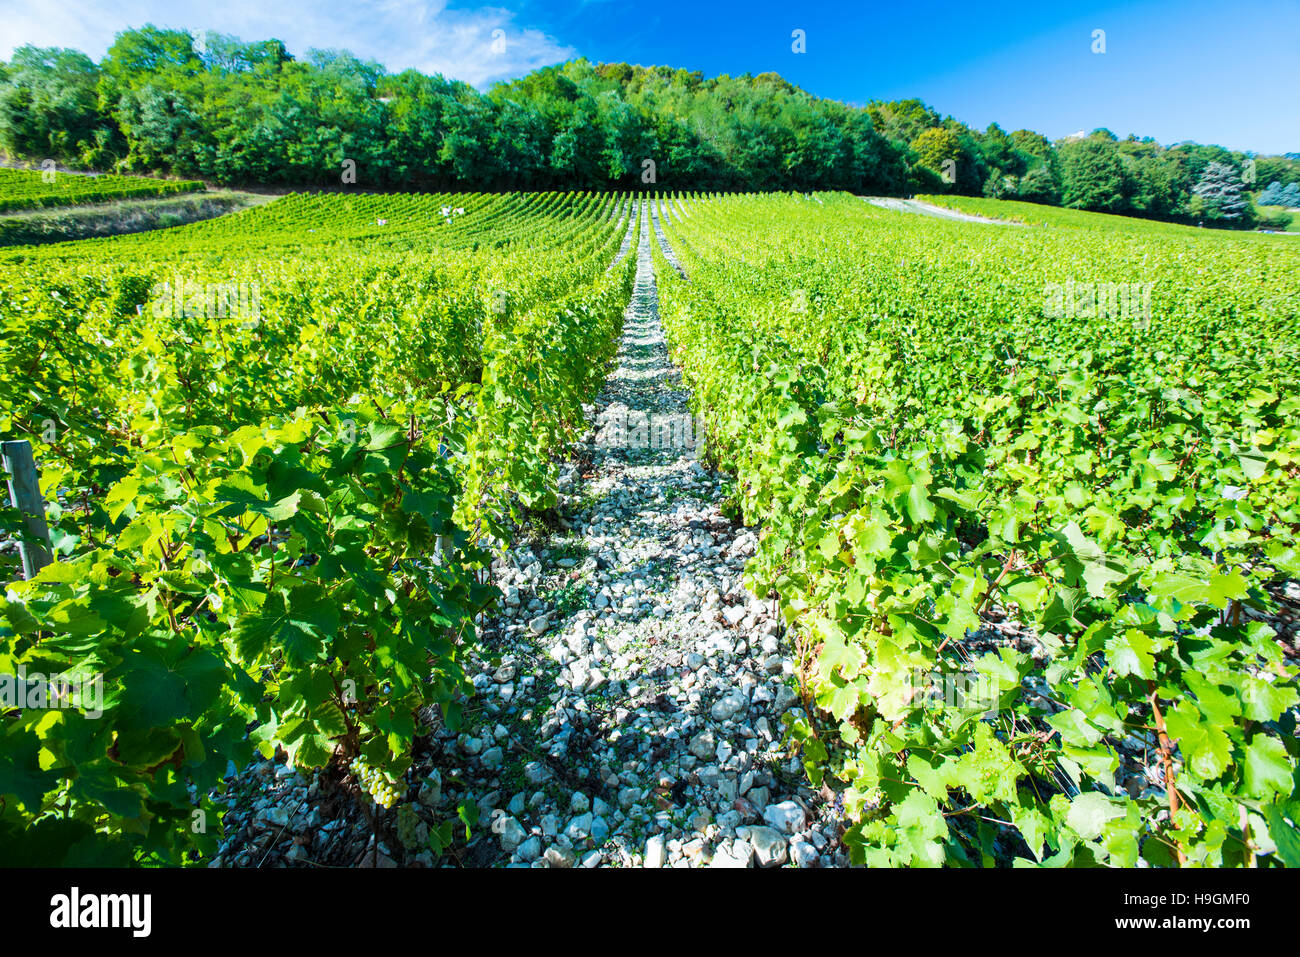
214, 106
1276, 169
1032, 144
1092, 175
1276, 194
49, 107
940, 150
1000, 151
903, 120
1222, 199
1038, 186
1197, 156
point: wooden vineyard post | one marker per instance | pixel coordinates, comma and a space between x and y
25, 493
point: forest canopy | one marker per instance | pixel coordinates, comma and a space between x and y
243, 113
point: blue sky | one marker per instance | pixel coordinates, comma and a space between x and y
1225, 73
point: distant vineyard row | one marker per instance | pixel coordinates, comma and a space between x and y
23, 189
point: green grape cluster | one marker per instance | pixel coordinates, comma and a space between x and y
406, 825
383, 789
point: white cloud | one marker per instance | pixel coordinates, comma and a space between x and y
424, 34
466, 44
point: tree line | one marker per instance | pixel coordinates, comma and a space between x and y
244, 113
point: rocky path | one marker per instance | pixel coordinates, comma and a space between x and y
634, 717
630, 694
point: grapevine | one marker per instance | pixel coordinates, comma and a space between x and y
23, 189
930, 445
1090, 512
278, 449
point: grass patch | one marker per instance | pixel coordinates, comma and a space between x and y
568, 597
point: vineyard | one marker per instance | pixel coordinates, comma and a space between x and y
271, 471
21, 189
926, 452
1016, 511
